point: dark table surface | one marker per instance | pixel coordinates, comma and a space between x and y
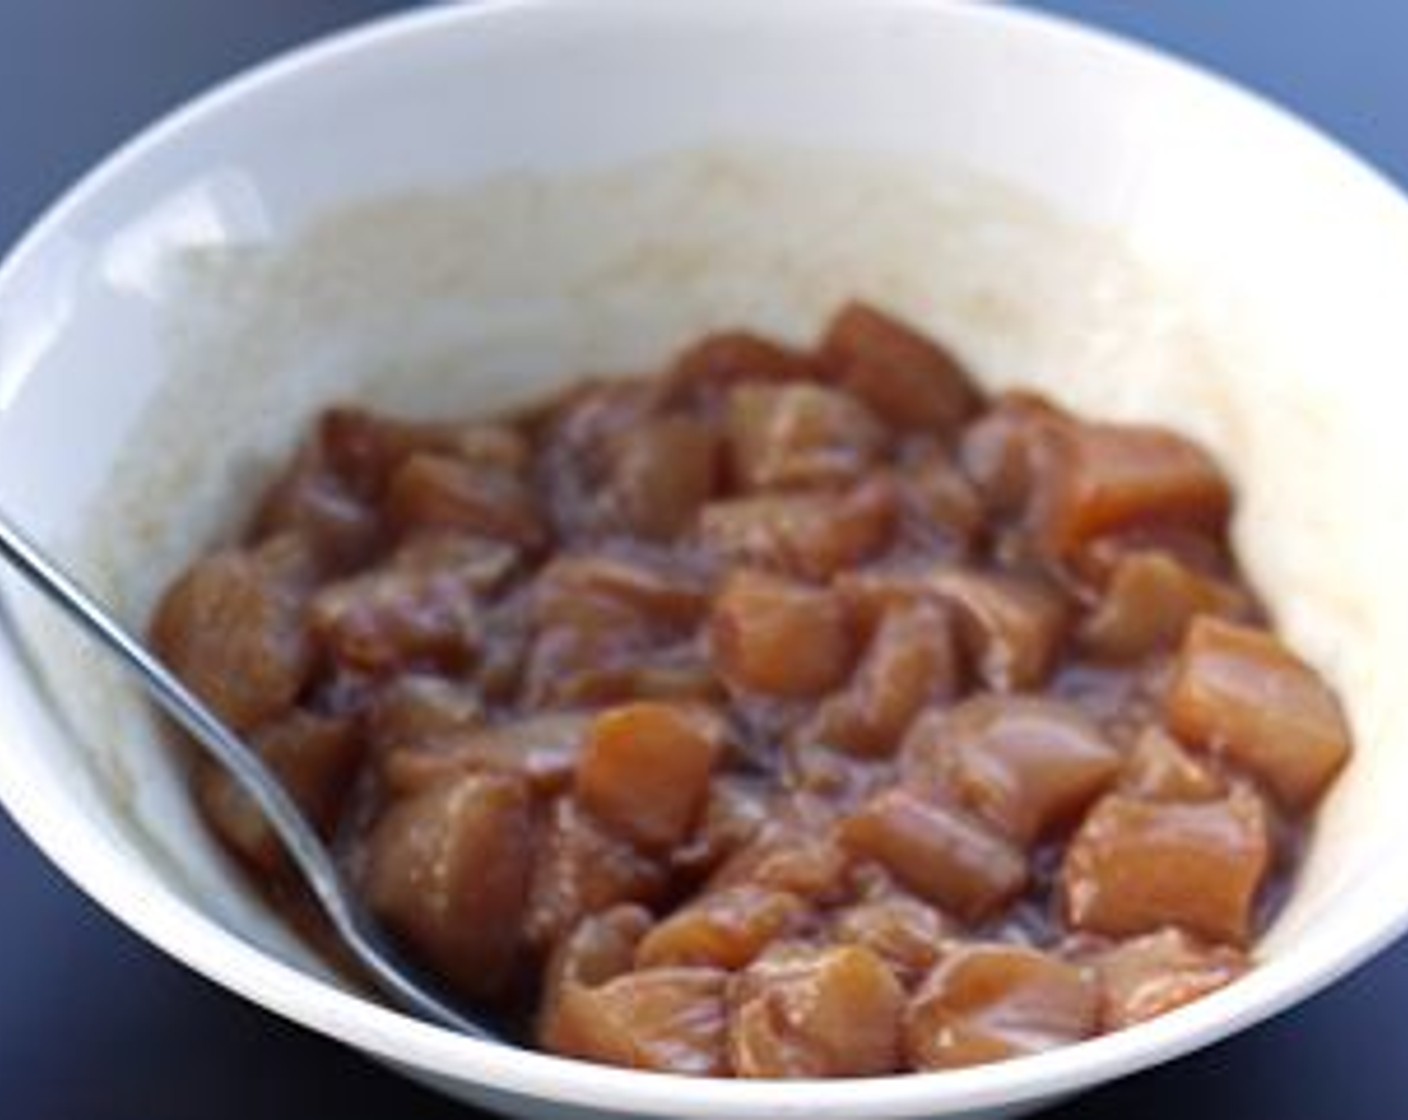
96, 1024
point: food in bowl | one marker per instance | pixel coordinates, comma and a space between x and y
788, 714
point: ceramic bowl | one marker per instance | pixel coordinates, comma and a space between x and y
457, 209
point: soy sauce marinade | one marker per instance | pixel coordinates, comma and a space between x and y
782, 714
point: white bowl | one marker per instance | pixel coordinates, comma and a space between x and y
543, 187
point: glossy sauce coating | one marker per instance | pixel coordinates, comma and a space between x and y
784, 714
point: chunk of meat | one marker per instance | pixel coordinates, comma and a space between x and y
668, 1020
419, 708
232, 629
831, 1012
661, 473
998, 450
909, 380
421, 607
1011, 627
811, 535
646, 768
1239, 692
938, 852
941, 510
987, 1002
773, 635
1149, 601
669, 596
1136, 866
315, 759
1025, 764
582, 868
789, 854
364, 449
910, 663
799, 435
1149, 976
601, 629
904, 932
448, 870
543, 750
1098, 478
705, 373
735, 812
600, 948
723, 928
1159, 769
868, 594
443, 492
580, 440
310, 500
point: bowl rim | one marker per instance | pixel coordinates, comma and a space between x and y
200, 942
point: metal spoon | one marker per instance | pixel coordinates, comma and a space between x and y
396, 978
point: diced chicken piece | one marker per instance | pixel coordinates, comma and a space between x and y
310, 500
364, 449
543, 750
580, 439
1011, 627
448, 872
723, 928
1149, 601
941, 511
812, 535
419, 607
988, 1002
585, 662
1159, 769
646, 768
1025, 764
604, 628
868, 594
910, 381
232, 629
582, 868
1241, 693
1136, 866
315, 759
773, 635
831, 1012
910, 663
491, 446
600, 948
420, 708
668, 1020
938, 852
1154, 974
798, 435
593, 674
734, 814
661, 473
671, 597
1098, 478
904, 932
704, 374
800, 857
444, 492
997, 450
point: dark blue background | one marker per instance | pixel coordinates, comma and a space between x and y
95, 1024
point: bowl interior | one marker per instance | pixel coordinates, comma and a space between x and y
509, 214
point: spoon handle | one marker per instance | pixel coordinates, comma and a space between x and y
307, 850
